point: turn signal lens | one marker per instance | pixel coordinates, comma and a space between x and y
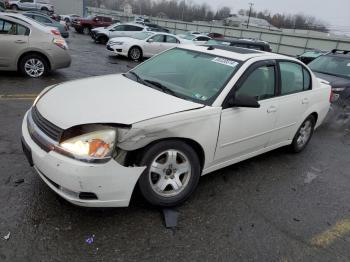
60, 42
55, 32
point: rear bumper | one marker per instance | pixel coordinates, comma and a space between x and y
60, 58
73, 180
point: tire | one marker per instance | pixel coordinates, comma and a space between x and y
174, 176
14, 7
34, 66
303, 135
102, 39
135, 53
86, 30
67, 20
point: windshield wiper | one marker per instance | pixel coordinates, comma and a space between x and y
138, 78
162, 87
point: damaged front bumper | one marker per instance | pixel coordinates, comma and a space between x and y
92, 185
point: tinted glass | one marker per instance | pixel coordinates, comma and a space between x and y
142, 35
171, 39
42, 19
259, 84
334, 65
10, 28
158, 38
307, 79
193, 75
119, 28
202, 38
133, 28
292, 78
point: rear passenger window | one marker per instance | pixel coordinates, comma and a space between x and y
292, 78
259, 84
307, 79
133, 28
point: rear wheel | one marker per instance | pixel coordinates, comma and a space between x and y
304, 134
34, 66
86, 30
135, 53
103, 39
172, 173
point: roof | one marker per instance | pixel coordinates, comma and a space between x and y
237, 53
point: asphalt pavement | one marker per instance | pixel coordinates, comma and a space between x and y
276, 207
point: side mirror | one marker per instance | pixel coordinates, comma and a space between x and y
242, 101
150, 40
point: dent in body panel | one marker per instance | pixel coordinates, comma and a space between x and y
200, 125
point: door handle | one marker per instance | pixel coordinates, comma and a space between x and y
272, 109
20, 42
305, 101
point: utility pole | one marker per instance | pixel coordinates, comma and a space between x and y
183, 10
250, 12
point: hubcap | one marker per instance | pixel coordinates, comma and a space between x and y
34, 67
135, 53
170, 173
304, 133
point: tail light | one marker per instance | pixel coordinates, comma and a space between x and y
55, 32
60, 43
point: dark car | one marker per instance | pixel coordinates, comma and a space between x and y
310, 55
84, 25
215, 35
334, 67
156, 28
245, 43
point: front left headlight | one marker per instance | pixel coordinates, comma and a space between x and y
91, 147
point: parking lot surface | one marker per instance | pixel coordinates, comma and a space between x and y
275, 207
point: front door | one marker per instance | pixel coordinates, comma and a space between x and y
154, 45
247, 130
13, 39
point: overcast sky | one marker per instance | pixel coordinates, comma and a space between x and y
334, 12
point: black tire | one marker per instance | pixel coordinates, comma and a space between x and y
36, 57
14, 7
102, 39
44, 9
296, 145
67, 20
149, 155
86, 30
133, 51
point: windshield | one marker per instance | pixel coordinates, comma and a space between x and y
142, 36
191, 75
332, 65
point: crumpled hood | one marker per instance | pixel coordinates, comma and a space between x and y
107, 99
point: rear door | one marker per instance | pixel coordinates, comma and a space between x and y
244, 131
13, 39
294, 99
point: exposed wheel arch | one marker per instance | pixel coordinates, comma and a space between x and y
315, 115
134, 156
136, 46
34, 53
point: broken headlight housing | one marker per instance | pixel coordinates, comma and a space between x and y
94, 146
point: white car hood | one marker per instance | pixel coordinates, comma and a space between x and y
107, 99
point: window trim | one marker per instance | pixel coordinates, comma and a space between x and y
303, 67
246, 74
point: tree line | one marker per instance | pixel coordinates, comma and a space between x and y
187, 10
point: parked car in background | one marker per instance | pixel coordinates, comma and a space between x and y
30, 47
215, 35
157, 28
244, 43
310, 55
195, 39
29, 5
141, 20
85, 25
69, 18
334, 67
119, 30
2, 6
144, 44
46, 20
184, 113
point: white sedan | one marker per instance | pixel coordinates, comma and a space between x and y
184, 113
195, 39
144, 44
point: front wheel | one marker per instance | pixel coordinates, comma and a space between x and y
303, 135
135, 53
86, 30
172, 173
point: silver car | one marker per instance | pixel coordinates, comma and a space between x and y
29, 47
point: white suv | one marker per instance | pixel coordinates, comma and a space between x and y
102, 35
184, 113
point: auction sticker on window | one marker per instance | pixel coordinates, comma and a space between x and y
225, 61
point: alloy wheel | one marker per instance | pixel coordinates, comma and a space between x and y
34, 67
304, 133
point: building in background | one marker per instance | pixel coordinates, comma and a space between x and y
69, 6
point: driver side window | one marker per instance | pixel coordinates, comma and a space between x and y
259, 84
158, 38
